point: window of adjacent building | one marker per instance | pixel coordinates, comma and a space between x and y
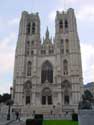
33, 27
47, 72
29, 68
27, 47
67, 45
65, 67
28, 28
27, 100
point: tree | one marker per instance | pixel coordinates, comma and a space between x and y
87, 100
5, 97
88, 95
0, 98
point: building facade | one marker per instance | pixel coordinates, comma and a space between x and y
48, 73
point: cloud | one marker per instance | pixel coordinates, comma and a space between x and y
7, 49
86, 13
88, 61
14, 21
52, 14
8, 25
76, 2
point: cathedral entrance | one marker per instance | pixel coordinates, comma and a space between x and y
46, 97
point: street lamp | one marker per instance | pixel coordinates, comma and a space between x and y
9, 103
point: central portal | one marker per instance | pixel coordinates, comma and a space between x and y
46, 97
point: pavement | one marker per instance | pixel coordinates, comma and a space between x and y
12, 121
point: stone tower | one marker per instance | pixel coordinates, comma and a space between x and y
48, 75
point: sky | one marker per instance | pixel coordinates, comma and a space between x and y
10, 14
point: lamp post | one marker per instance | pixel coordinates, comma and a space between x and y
9, 103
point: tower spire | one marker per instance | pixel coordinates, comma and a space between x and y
47, 33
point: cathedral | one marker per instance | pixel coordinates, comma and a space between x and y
48, 72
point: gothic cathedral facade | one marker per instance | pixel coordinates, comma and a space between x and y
48, 73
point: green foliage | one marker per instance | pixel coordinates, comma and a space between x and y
29, 121
87, 100
75, 117
5, 97
88, 95
38, 116
9, 102
34, 122
59, 122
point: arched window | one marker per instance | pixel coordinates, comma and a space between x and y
46, 97
28, 28
27, 100
66, 24
27, 48
60, 24
65, 67
29, 68
67, 45
66, 99
47, 72
33, 27
27, 89
66, 93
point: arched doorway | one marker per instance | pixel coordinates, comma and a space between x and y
46, 97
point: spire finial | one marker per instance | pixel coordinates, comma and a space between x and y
47, 33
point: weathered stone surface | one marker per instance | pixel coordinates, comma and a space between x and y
59, 60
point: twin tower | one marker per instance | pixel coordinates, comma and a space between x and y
47, 74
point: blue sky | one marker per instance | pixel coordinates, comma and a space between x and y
10, 13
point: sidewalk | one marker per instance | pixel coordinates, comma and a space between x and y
5, 122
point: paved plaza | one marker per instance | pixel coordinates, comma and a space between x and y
12, 121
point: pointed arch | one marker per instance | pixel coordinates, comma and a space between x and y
66, 91
67, 45
47, 72
65, 84
27, 91
28, 28
27, 85
66, 24
46, 96
65, 67
61, 24
33, 27
27, 48
29, 65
